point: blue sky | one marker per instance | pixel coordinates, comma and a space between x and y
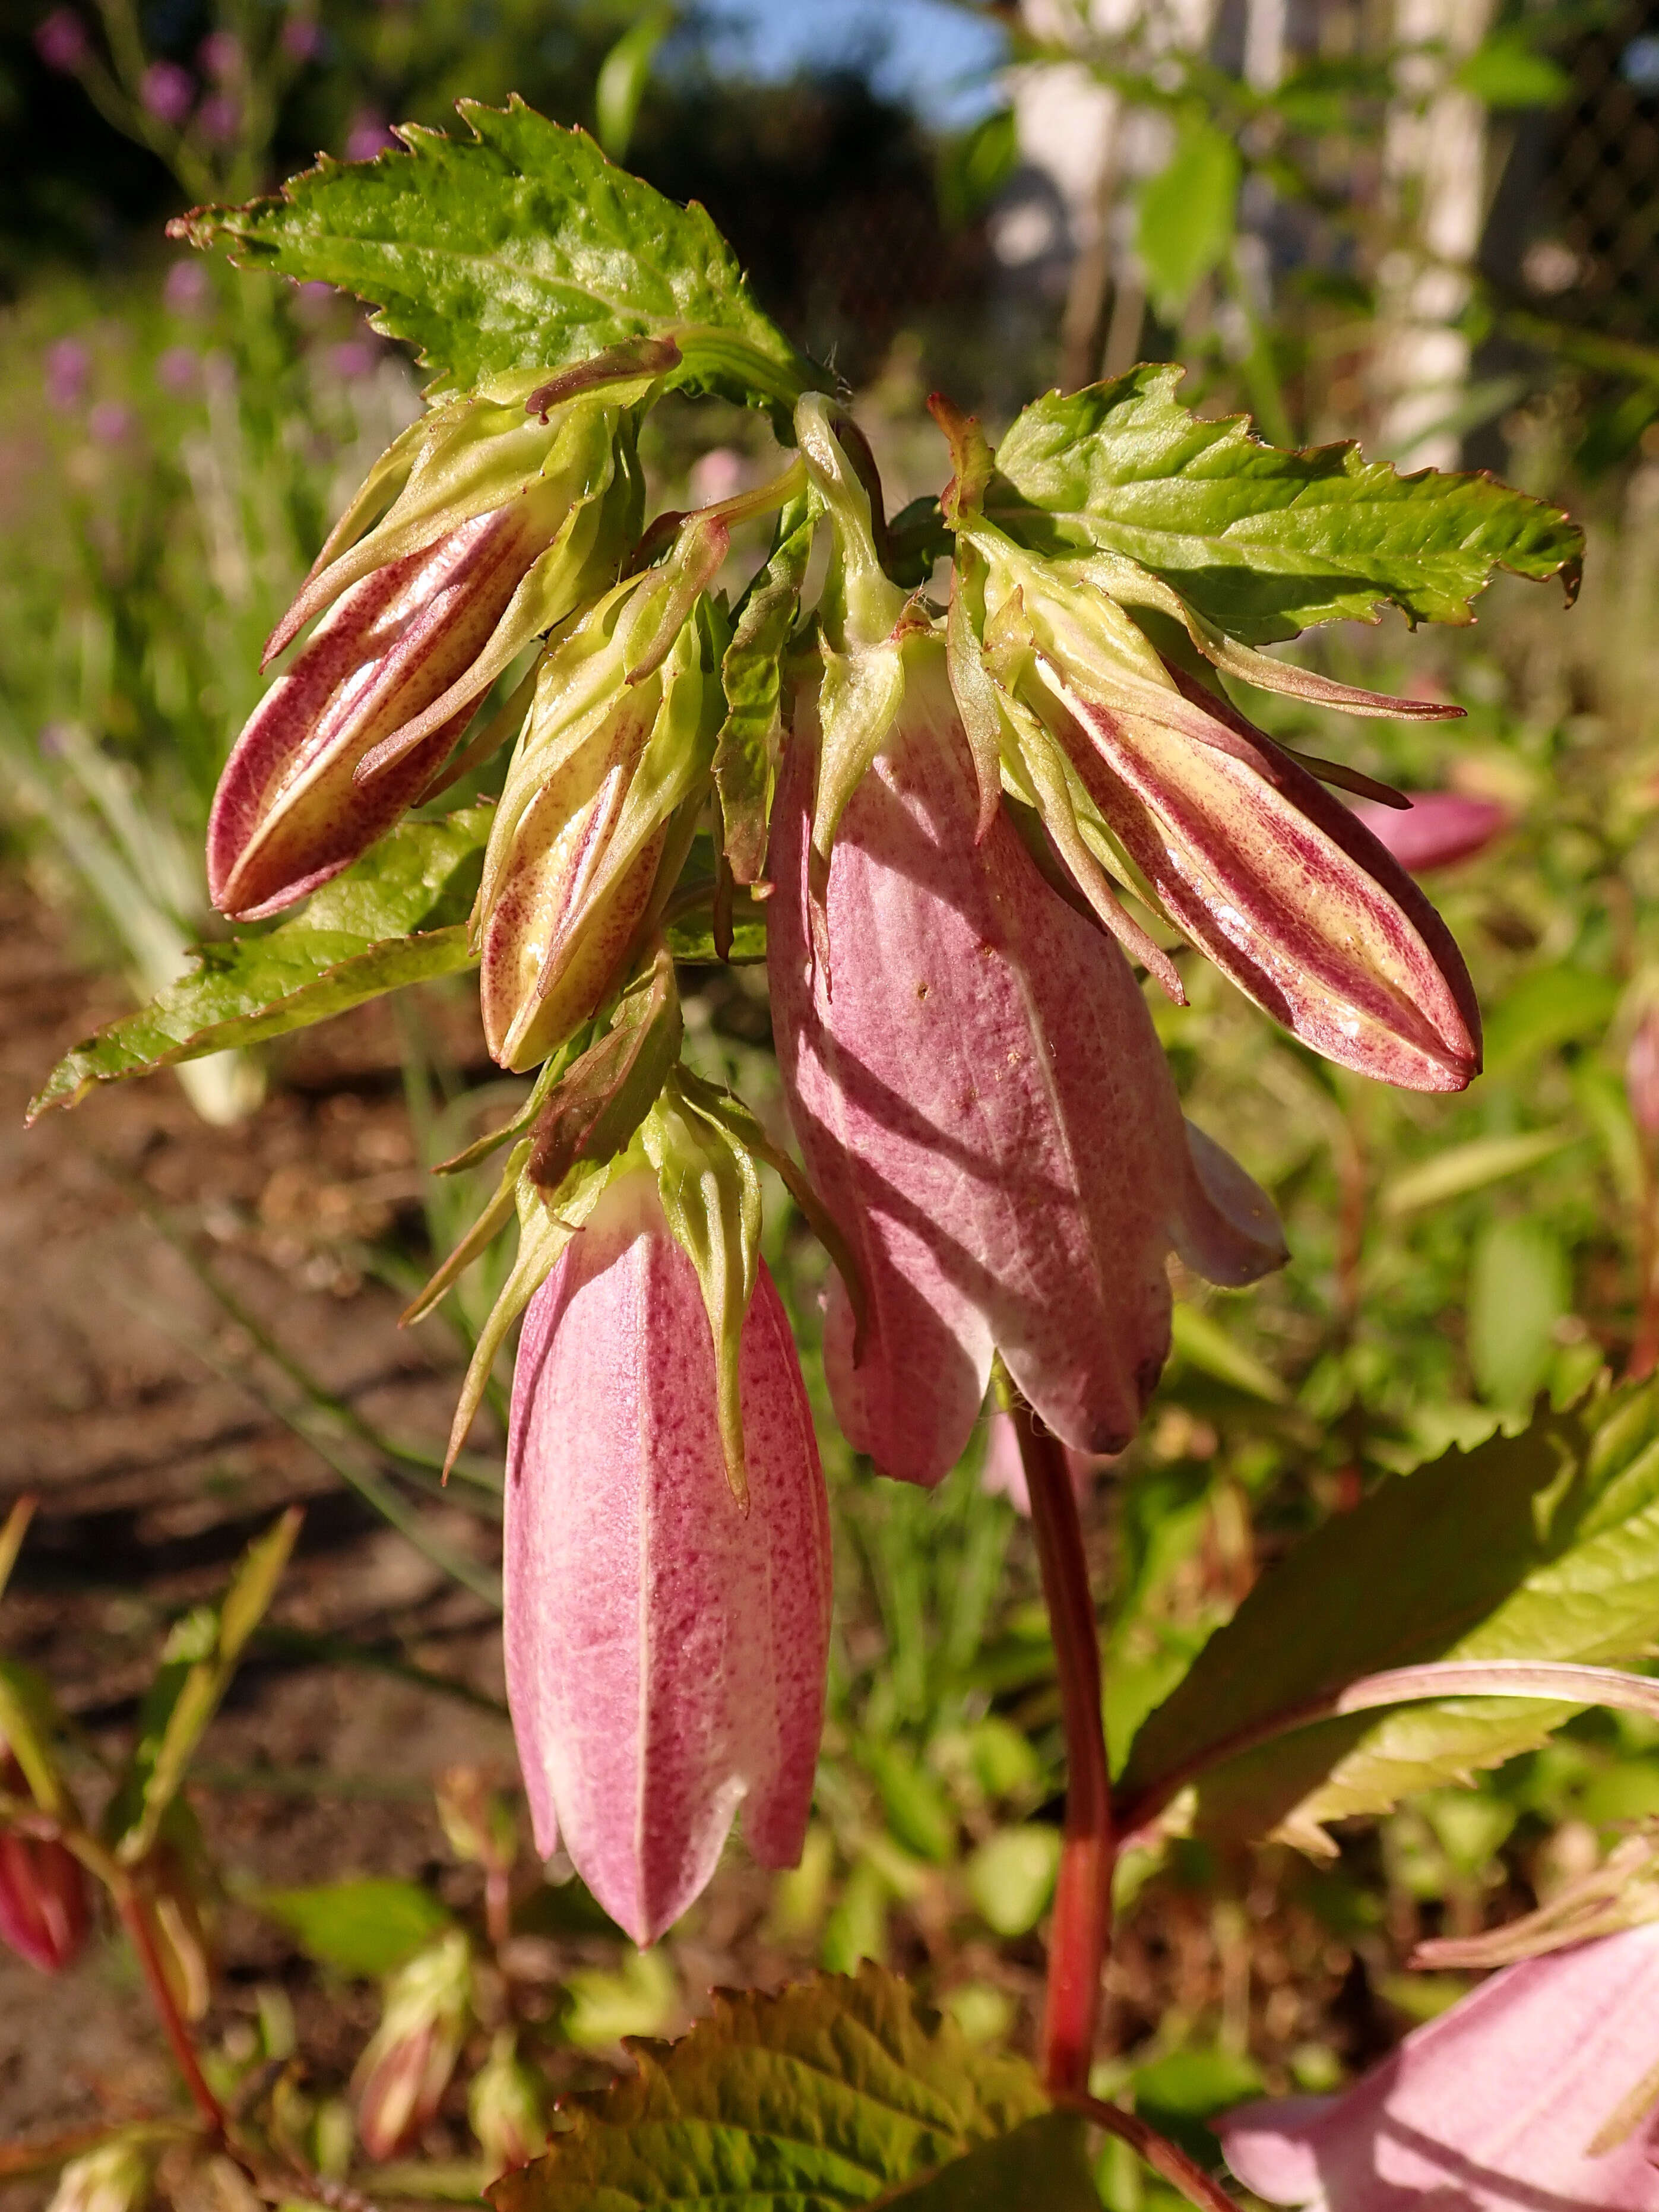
927, 53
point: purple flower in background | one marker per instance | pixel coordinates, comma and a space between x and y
61, 40
353, 359
1437, 828
109, 422
1642, 1074
1536, 2091
168, 92
302, 41
220, 117
69, 366
179, 370
186, 290
220, 55
368, 137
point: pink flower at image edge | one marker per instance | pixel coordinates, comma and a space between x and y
1493, 2107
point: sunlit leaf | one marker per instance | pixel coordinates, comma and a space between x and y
1262, 542
1543, 1545
519, 246
1520, 1286
394, 918
1185, 222
1547, 1007
833, 2093
1507, 71
1475, 1166
369, 1927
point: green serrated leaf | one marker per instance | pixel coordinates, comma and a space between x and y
198, 1662
521, 247
396, 917
1044, 2161
1543, 1545
370, 1927
1261, 542
838, 2091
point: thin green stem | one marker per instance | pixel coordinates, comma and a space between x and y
1081, 1929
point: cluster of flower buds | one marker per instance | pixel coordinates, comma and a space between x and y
939, 812
490, 519
1142, 770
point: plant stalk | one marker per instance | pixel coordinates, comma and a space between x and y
129, 1905
1081, 1929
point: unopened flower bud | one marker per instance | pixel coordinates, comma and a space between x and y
61, 41
621, 736
405, 2067
507, 2105
45, 1906
494, 523
665, 1643
1142, 772
1437, 829
477, 1823
114, 2177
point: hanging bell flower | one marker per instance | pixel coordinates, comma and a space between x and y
493, 518
668, 1605
969, 1066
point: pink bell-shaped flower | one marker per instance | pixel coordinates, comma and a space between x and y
666, 1641
1537, 2092
971, 1068
984, 1109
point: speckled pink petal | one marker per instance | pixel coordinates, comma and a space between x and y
288, 815
1493, 2107
666, 1649
981, 1102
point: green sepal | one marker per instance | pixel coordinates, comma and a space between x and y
728, 1109
594, 1109
543, 1233
197, 1661
395, 917
747, 751
711, 1195
520, 247
1261, 542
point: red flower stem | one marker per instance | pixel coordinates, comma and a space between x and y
1160, 2153
134, 1918
1081, 1929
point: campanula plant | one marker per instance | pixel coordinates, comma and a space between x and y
962, 822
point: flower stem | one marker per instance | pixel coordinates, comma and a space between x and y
1083, 1893
135, 1919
